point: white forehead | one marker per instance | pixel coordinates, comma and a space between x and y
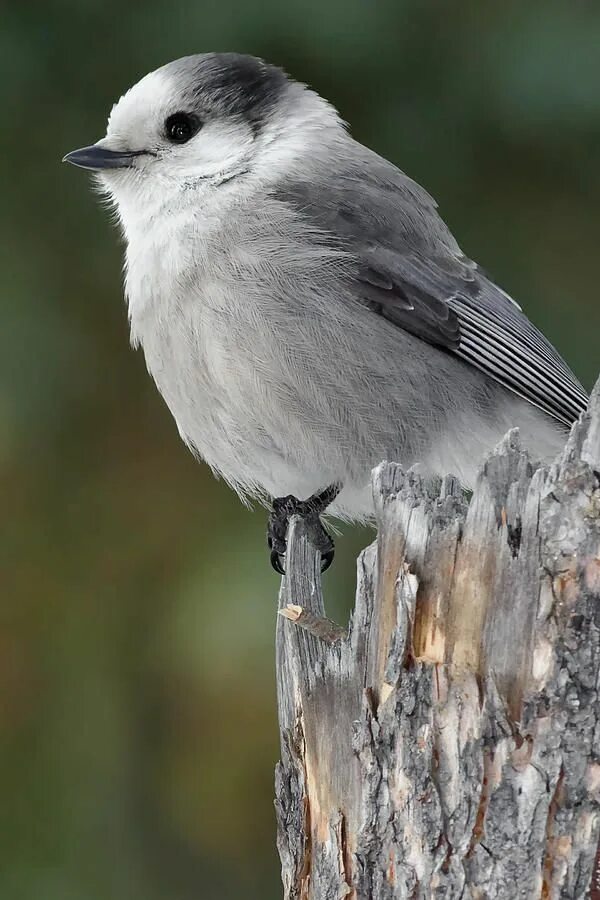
149, 101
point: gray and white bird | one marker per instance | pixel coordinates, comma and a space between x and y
302, 307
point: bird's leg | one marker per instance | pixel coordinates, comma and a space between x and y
310, 510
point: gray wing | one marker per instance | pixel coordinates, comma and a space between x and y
411, 271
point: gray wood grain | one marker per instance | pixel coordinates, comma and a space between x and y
448, 745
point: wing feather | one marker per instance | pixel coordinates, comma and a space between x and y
410, 270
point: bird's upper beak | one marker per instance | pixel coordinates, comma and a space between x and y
101, 157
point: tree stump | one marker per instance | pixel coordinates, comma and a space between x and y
447, 745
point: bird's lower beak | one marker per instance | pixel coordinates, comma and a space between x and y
99, 157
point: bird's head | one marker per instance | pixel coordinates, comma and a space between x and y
198, 123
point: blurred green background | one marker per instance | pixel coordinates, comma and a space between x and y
138, 724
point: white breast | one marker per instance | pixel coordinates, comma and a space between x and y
204, 294
174, 307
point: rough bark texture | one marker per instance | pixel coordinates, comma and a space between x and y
448, 745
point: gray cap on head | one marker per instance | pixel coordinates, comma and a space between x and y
230, 84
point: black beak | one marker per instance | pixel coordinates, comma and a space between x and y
96, 157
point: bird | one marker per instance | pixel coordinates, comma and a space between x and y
302, 307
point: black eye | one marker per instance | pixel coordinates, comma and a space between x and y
180, 127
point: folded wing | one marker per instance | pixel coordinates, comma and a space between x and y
410, 270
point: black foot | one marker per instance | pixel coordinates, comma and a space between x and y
310, 510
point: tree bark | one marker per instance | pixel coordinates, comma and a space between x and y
448, 744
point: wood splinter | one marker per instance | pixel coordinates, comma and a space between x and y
320, 626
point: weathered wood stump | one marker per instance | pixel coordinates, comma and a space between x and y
449, 744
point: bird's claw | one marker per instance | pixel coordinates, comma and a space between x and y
327, 559
286, 507
276, 562
277, 548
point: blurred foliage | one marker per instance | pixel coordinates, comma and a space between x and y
138, 724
